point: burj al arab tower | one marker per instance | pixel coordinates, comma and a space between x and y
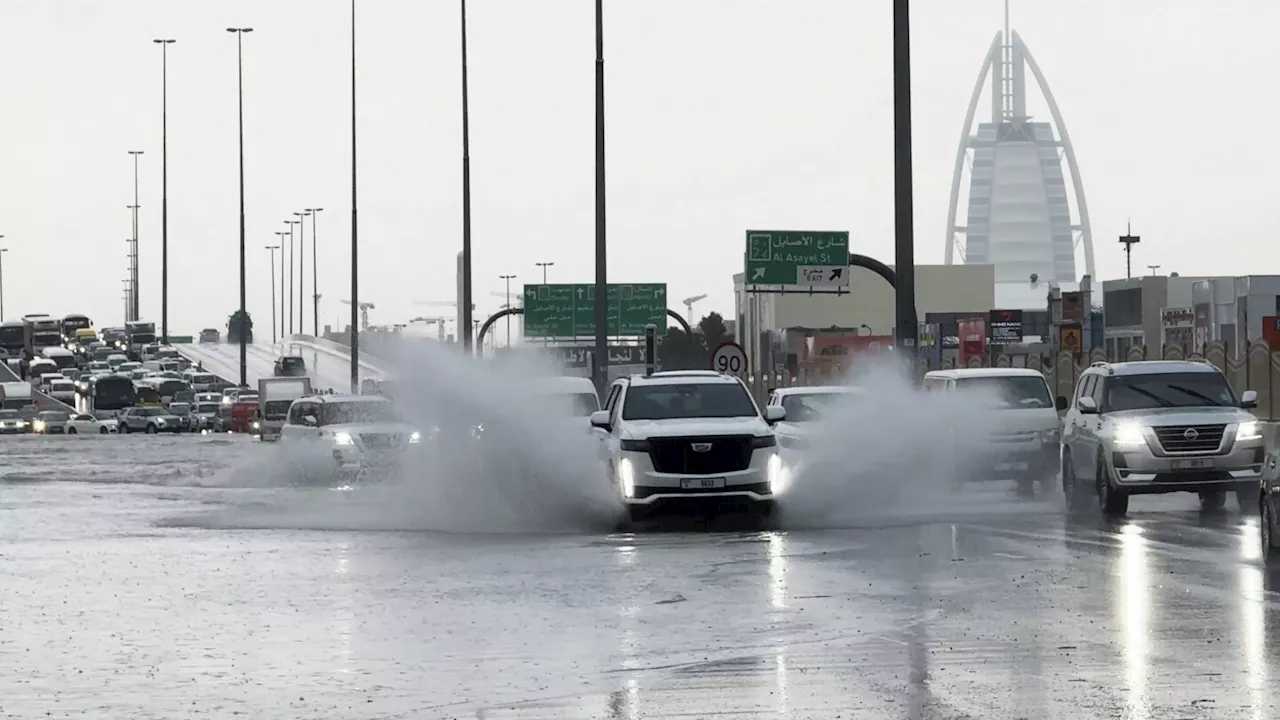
1020, 217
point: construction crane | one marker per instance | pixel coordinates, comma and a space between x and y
516, 298
439, 303
365, 307
437, 321
688, 306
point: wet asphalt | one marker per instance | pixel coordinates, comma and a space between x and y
120, 599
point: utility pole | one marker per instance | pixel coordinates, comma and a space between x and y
508, 278
281, 235
467, 335
133, 295
315, 287
1128, 240
244, 313
903, 221
302, 275
273, 249
600, 357
355, 255
164, 44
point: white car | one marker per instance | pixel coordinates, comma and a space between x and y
86, 423
806, 407
62, 391
353, 436
116, 360
689, 436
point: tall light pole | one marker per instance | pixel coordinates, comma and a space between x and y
600, 367
544, 267
272, 249
164, 44
903, 216
355, 255
280, 234
132, 257
137, 308
244, 325
2, 252
315, 287
466, 195
289, 291
508, 278
302, 273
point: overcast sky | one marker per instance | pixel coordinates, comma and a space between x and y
722, 115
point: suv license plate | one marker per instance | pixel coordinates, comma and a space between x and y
1196, 464
710, 483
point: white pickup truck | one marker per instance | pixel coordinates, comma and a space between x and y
275, 395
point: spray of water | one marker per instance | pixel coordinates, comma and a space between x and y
500, 454
894, 454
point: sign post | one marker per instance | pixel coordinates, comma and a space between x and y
568, 310
796, 259
650, 349
1005, 327
729, 358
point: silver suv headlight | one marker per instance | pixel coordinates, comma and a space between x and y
343, 438
1249, 430
1128, 433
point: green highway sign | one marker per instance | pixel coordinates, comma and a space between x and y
796, 258
568, 310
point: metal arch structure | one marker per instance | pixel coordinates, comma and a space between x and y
484, 329
994, 64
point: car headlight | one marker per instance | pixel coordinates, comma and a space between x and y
257, 425
1128, 433
1249, 431
415, 437
627, 478
343, 438
39, 425
777, 475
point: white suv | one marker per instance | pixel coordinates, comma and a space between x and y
1141, 428
354, 436
689, 435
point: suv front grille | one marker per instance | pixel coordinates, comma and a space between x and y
380, 441
1190, 438
677, 456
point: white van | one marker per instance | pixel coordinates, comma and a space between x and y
1021, 414
59, 356
200, 381
573, 396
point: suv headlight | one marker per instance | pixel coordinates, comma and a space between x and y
343, 438
1128, 433
1249, 431
415, 437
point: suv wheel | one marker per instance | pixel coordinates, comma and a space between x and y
1270, 553
124, 428
151, 428
1077, 498
1213, 500
1115, 503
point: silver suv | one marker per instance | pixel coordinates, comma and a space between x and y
1153, 427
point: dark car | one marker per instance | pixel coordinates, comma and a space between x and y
290, 366
210, 335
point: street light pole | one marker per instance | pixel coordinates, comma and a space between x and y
281, 235
244, 325
302, 273
508, 278
466, 195
133, 277
273, 249
600, 366
315, 287
135, 207
903, 221
355, 254
289, 292
164, 44
2, 252
544, 267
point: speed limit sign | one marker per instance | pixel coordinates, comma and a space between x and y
729, 358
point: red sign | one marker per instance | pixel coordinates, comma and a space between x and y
838, 348
1271, 330
973, 338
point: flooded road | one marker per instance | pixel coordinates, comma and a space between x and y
122, 599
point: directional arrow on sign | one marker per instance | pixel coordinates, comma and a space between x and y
580, 291
835, 274
758, 274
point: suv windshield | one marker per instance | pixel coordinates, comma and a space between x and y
204, 408
1158, 390
807, 407
358, 412
1023, 392
10, 415
687, 400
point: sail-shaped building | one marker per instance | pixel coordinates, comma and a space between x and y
1024, 214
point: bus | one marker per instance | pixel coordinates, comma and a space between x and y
42, 331
112, 393
72, 323
13, 337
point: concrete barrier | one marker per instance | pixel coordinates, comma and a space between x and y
332, 348
42, 401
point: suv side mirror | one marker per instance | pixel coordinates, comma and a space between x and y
1061, 403
600, 419
1249, 399
774, 414
1087, 406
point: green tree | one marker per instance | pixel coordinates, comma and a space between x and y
678, 351
236, 323
713, 331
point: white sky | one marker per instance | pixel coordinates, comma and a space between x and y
722, 115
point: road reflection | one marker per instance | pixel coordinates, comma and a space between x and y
778, 596
624, 704
1134, 616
